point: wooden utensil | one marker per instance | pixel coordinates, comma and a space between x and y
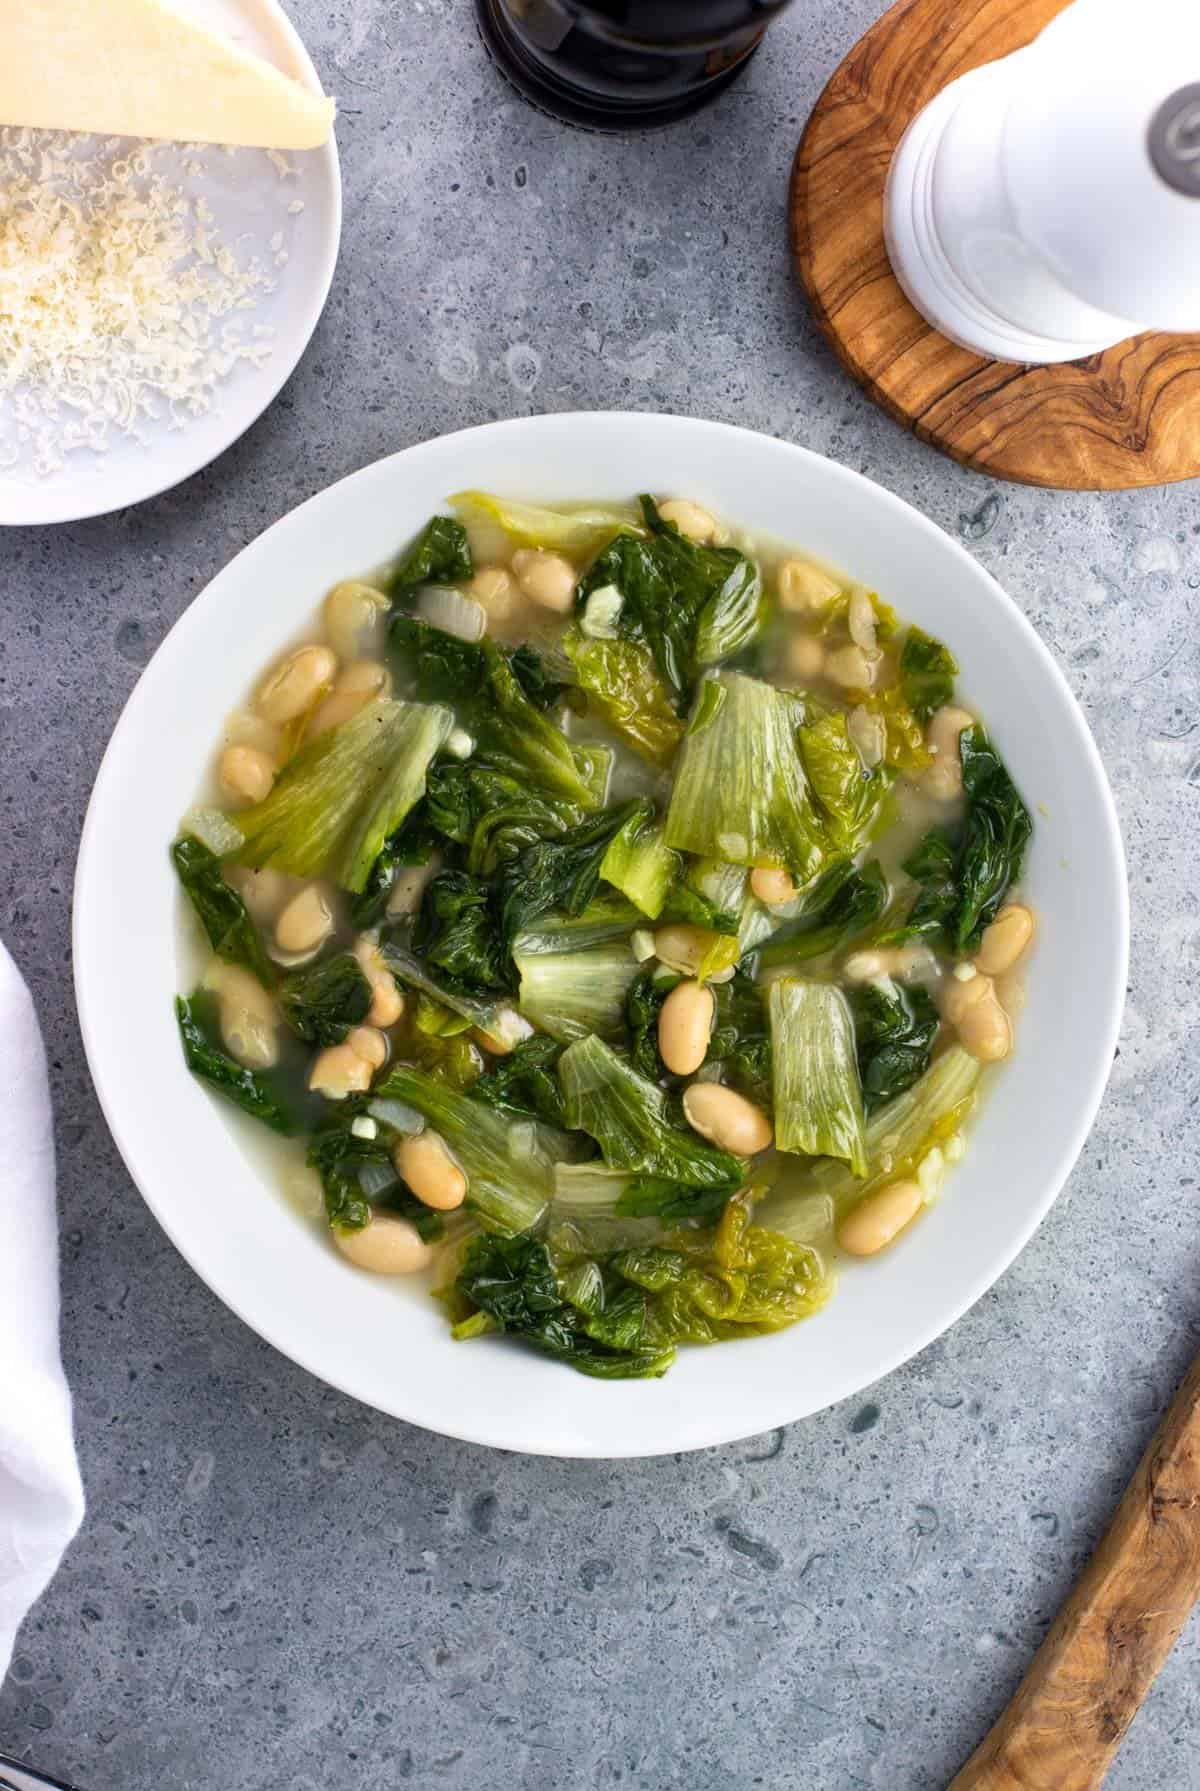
1122, 418
1100, 1658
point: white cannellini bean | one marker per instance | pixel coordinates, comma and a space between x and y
685, 1024
263, 891
386, 1245
245, 774
305, 923
426, 1165
880, 1218
357, 685
726, 1118
684, 947
495, 589
1005, 940
803, 586
805, 658
868, 734
860, 620
347, 1069
387, 1002
295, 684
943, 779
771, 886
689, 519
354, 614
546, 579
850, 667
247, 1014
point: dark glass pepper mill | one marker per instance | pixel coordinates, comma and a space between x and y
621, 65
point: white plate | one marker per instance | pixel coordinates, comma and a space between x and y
387, 1343
251, 201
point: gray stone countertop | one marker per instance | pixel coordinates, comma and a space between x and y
278, 1590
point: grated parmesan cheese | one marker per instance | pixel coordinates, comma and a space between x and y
120, 302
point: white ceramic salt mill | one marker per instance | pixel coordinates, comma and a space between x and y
1046, 206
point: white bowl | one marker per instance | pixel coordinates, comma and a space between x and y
387, 1342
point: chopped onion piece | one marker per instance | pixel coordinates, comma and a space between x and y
376, 1178
397, 1114
445, 608
213, 829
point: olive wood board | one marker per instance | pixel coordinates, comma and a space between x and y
1127, 417
1062, 1729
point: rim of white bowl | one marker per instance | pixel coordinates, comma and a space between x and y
948, 1312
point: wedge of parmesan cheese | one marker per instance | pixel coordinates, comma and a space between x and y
138, 68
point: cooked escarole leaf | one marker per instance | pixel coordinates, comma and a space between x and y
894, 1031
848, 795
741, 793
573, 993
489, 690
492, 814
508, 1189
846, 901
221, 910
457, 934
440, 555
407, 968
692, 605
740, 1042
818, 1097
254, 1091
622, 685
927, 673
561, 874
964, 874
575, 532
337, 801
525, 1083
511, 1284
358, 1174
640, 864
897, 1134
996, 835
321, 1002
676, 1173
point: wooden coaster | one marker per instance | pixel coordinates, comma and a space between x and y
1129, 416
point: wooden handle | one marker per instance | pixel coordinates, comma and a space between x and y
1086, 1681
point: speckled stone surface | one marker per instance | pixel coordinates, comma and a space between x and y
277, 1590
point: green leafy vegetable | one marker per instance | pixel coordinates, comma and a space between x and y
898, 1134
508, 1191
855, 901
622, 684
321, 1002
439, 556
231, 932
741, 1040
576, 533
741, 793
525, 1083
641, 865
849, 796
470, 1010
483, 682
561, 874
927, 673
894, 1031
336, 803
693, 605
512, 1281
458, 935
818, 1098
251, 1090
340, 1156
676, 1173
493, 815
964, 875
573, 993
997, 832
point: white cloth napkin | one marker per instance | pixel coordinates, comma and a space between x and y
41, 1497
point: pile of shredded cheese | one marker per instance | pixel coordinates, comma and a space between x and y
119, 301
